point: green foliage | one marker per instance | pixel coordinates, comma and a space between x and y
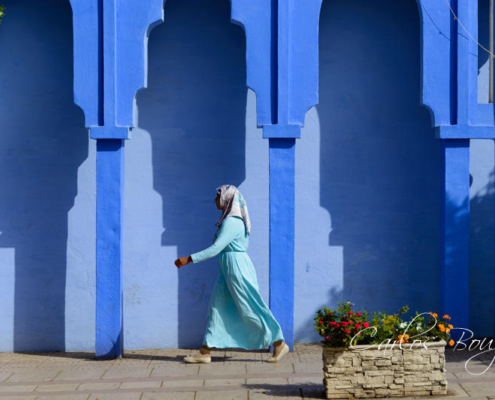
341, 326
388, 326
1, 13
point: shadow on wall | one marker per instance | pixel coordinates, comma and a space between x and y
481, 256
194, 109
380, 161
43, 144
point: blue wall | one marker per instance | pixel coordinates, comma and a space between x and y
367, 180
377, 181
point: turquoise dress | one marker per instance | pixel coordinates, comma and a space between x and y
237, 315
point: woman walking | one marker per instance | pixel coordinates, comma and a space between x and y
237, 315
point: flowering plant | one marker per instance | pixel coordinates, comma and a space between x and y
432, 327
343, 327
338, 327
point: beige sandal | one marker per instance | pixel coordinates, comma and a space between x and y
284, 351
197, 360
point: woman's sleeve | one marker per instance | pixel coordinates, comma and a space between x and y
226, 234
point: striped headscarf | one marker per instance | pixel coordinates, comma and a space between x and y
233, 205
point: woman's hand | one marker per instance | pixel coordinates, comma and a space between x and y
180, 262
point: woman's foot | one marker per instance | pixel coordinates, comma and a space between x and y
280, 349
203, 357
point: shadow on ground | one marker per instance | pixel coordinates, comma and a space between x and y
296, 390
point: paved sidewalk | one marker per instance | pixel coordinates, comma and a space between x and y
162, 375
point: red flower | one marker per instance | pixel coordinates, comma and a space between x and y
347, 331
343, 323
326, 338
366, 325
329, 313
337, 326
350, 313
330, 337
332, 323
358, 314
359, 334
358, 326
350, 322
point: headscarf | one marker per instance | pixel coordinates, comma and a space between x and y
233, 205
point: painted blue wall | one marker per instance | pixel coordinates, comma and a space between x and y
367, 177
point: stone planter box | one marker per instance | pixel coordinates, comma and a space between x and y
367, 372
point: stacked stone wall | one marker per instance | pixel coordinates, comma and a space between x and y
367, 371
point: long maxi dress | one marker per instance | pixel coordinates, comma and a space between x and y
237, 315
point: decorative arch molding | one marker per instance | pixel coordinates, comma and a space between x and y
450, 70
110, 56
281, 58
436, 33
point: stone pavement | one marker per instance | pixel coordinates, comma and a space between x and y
162, 375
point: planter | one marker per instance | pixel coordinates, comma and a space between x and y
366, 371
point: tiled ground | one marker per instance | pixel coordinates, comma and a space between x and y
162, 375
